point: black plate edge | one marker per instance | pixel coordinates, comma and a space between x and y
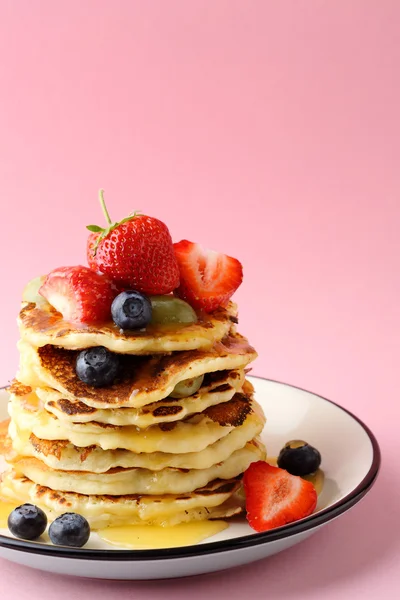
248, 541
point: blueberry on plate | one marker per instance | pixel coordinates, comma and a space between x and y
27, 522
70, 529
299, 458
131, 310
97, 366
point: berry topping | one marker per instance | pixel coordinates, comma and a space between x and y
136, 252
31, 292
27, 522
168, 309
187, 387
299, 458
208, 278
97, 366
79, 294
275, 498
131, 310
70, 529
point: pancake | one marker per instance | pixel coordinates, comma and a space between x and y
60, 454
4, 425
142, 380
44, 325
217, 387
119, 482
191, 435
216, 500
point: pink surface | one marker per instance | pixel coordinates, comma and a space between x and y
268, 130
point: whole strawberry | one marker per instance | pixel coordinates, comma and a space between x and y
136, 252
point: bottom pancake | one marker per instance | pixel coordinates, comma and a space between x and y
119, 481
217, 500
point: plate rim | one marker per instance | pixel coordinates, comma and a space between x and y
240, 543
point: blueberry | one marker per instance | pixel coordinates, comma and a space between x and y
131, 310
97, 366
299, 458
70, 529
27, 522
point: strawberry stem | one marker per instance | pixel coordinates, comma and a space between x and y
104, 232
104, 207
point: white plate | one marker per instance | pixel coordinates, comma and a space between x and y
350, 460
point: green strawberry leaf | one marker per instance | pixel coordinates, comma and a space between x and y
110, 225
94, 228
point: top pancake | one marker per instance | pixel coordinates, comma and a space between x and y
43, 325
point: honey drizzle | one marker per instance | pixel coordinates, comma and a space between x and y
146, 537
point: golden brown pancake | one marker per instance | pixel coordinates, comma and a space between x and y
217, 387
120, 481
191, 435
42, 326
19, 389
142, 379
61, 454
216, 500
4, 443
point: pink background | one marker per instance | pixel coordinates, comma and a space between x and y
267, 130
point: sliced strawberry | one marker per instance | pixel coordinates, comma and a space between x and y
208, 278
275, 498
79, 294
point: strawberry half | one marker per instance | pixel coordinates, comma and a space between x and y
79, 294
208, 278
136, 253
275, 498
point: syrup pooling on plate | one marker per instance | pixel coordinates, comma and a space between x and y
317, 479
147, 537
5, 509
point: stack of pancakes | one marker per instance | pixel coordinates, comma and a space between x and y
129, 452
